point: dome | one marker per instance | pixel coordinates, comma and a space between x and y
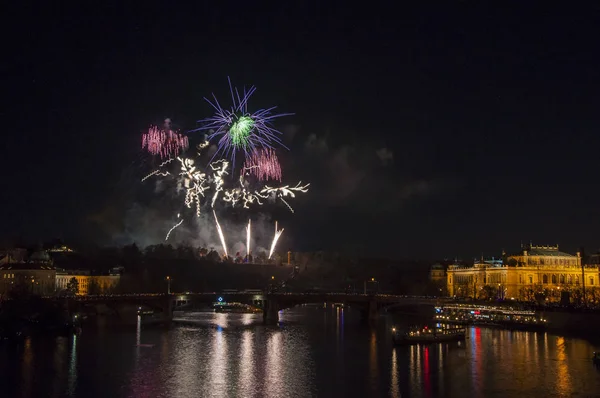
40, 257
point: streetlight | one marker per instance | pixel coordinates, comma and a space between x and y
272, 277
168, 284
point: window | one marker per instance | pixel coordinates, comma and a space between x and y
545, 279
591, 280
530, 279
553, 278
562, 279
569, 279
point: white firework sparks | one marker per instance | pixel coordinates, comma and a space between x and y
221, 234
174, 226
220, 169
281, 192
194, 182
248, 232
275, 239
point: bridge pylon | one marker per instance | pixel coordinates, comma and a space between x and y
270, 311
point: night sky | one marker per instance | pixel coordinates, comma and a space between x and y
426, 133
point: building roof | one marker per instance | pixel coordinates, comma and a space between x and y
27, 266
79, 272
437, 266
547, 251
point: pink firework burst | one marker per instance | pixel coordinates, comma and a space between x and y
164, 143
264, 164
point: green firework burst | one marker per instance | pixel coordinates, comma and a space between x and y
240, 131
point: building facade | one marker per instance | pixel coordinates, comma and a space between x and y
437, 277
36, 275
437, 273
86, 282
534, 273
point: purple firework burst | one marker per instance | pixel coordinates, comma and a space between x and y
239, 130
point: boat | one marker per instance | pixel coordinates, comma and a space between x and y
426, 335
491, 316
236, 308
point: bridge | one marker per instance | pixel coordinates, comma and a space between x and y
271, 303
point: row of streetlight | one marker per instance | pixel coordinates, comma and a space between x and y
168, 279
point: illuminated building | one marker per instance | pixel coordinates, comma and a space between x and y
37, 275
437, 273
61, 249
437, 278
534, 273
86, 282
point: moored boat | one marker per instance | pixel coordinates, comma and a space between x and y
428, 335
237, 308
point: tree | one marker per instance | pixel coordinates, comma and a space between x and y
94, 287
489, 292
73, 286
203, 252
261, 257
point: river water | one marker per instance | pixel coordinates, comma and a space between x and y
315, 351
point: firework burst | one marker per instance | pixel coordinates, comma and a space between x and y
264, 165
239, 130
233, 130
164, 142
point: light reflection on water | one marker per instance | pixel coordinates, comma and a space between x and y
315, 351
73, 367
218, 363
248, 366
